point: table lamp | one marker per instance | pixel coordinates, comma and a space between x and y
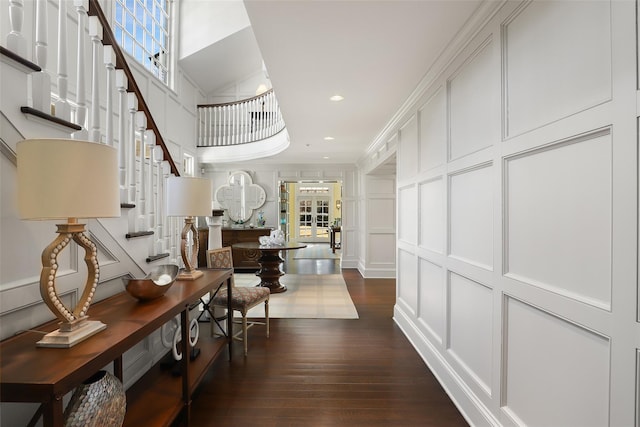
189, 197
67, 179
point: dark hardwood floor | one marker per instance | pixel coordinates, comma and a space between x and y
327, 372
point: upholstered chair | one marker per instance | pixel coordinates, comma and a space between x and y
242, 298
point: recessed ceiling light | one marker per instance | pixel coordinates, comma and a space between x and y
337, 98
329, 138
326, 157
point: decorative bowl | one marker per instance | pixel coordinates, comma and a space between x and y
154, 285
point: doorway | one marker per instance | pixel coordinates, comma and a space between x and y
313, 222
309, 208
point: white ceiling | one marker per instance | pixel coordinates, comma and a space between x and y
373, 52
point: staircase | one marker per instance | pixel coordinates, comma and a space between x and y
40, 100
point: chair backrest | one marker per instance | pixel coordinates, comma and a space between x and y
221, 258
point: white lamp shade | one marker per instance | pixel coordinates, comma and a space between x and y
66, 178
188, 196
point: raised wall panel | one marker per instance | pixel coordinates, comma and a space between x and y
407, 214
433, 131
557, 61
471, 216
380, 185
432, 211
432, 298
380, 250
472, 103
558, 225
470, 328
407, 286
556, 365
381, 214
408, 150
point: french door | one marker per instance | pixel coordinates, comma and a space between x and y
313, 218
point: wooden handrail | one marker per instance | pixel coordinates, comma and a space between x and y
224, 104
121, 63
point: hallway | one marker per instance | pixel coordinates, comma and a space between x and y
327, 372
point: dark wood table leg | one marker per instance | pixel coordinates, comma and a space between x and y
270, 272
332, 234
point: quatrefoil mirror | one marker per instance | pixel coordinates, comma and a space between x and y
240, 197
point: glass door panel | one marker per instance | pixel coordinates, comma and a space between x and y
313, 219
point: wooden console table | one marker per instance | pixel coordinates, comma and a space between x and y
33, 374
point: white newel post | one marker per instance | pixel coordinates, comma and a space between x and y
16, 42
121, 85
63, 109
41, 81
95, 32
141, 125
132, 104
110, 64
215, 229
81, 90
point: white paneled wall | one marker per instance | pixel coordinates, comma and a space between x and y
518, 219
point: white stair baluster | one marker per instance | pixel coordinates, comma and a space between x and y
225, 120
235, 123
166, 221
200, 126
218, 120
63, 109
132, 104
41, 81
121, 86
150, 144
109, 56
16, 41
141, 125
81, 90
158, 248
95, 32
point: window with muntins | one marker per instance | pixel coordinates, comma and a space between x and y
142, 29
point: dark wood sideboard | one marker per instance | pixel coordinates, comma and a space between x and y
243, 259
32, 374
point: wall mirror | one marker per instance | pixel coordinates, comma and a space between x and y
240, 197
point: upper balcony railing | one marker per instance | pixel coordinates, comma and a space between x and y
239, 122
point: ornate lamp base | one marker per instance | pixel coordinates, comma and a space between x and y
74, 323
68, 336
190, 259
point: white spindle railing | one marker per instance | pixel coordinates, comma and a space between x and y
132, 103
110, 65
121, 86
63, 109
240, 122
82, 6
16, 41
41, 81
141, 200
141, 177
95, 32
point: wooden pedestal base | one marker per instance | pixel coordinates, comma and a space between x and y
270, 272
